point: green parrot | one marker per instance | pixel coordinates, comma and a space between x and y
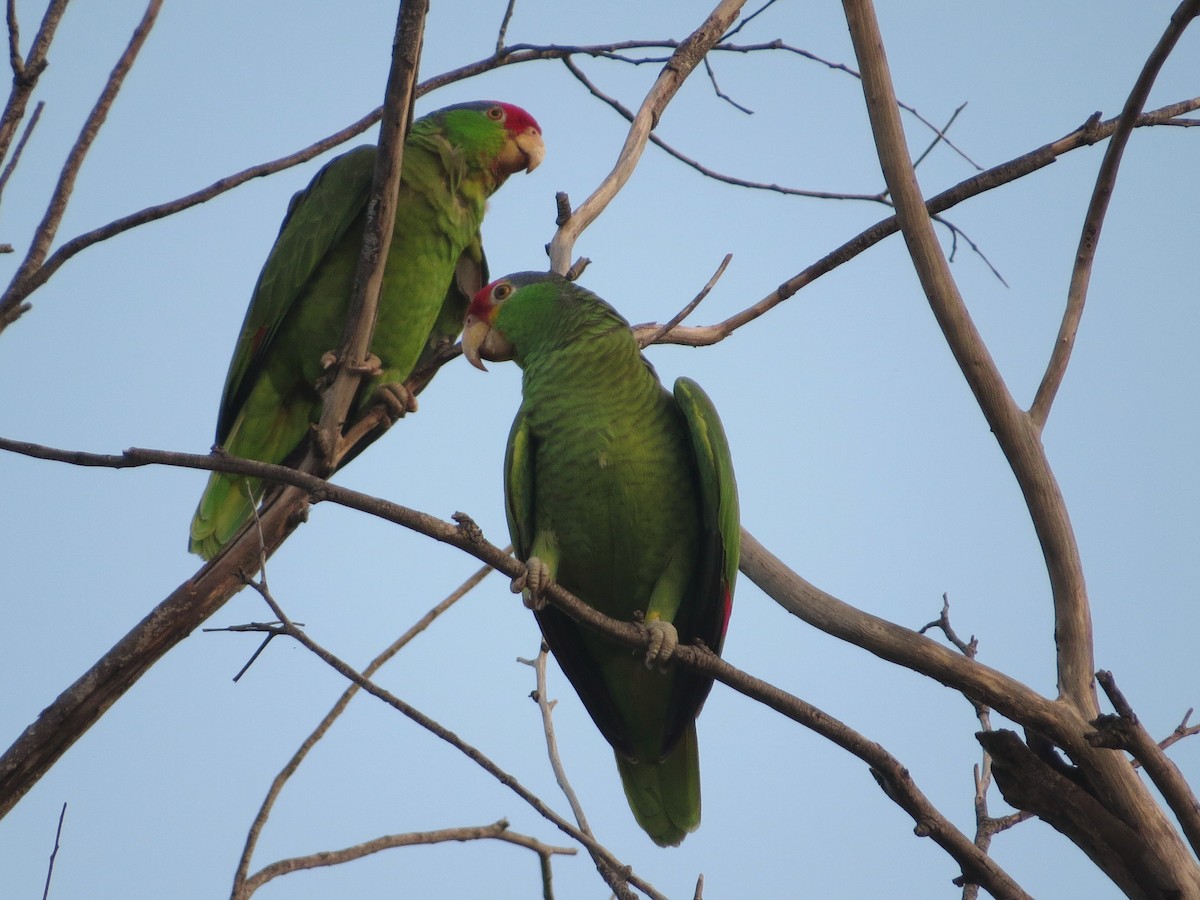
454, 159
624, 494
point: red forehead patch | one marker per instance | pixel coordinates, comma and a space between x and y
481, 304
517, 120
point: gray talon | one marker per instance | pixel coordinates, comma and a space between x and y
533, 583
664, 638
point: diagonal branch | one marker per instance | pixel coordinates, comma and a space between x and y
26, 72
1017, 436
377, 232
994, 177
48, 228
1106, 180
672, 76
496, 831
75, 710
1125, 732
334, 713
1110, 777
612, 865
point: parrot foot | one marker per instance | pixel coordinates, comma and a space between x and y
396, 399
533, 584
664, 638
372, 366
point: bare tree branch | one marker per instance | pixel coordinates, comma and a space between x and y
10, 307
691, 305
673, 74
16, 157
27, 71
289, 769
612, 864
1123, 731
918, 653
994, 177
546, 708
54, 853
1158, 855
496, 831
1094, 219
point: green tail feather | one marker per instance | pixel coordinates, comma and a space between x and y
223, 510
665, 796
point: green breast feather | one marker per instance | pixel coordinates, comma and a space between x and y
453, 160
625, 494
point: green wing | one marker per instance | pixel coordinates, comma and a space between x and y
470, 276
316, 219
518, 482
720, 538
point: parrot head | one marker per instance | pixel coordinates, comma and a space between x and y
529, 313
506, 138
509, 313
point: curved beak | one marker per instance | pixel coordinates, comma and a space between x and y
524, 151
530, 143
475, 332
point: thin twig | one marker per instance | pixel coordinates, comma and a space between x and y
940, 138
26, 73
475, 755
546, 707
54, 853
712, 77
682, 62
1093, 221
289, 769
746, 20
508, 14
496, 831
704, 170
691, 305
997, 176
25, 133
48, 227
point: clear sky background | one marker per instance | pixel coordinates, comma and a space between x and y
862, 459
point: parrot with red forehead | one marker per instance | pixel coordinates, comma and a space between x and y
454, 159
624, 494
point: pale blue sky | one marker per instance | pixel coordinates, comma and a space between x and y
861, 457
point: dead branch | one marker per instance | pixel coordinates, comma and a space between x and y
916, 652
611, 862
496, 831
690, 306
26, 71
672, 76
289, 769
1125, 732
81, 704
25, 134
10, 308
1158, 856
1019, 167
1093, 221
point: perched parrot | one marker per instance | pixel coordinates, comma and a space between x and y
623, 494
454, 159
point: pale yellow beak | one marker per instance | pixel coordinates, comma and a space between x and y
530, 143
525, 151
475, 332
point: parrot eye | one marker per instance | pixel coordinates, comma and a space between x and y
502, 291
495, 113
